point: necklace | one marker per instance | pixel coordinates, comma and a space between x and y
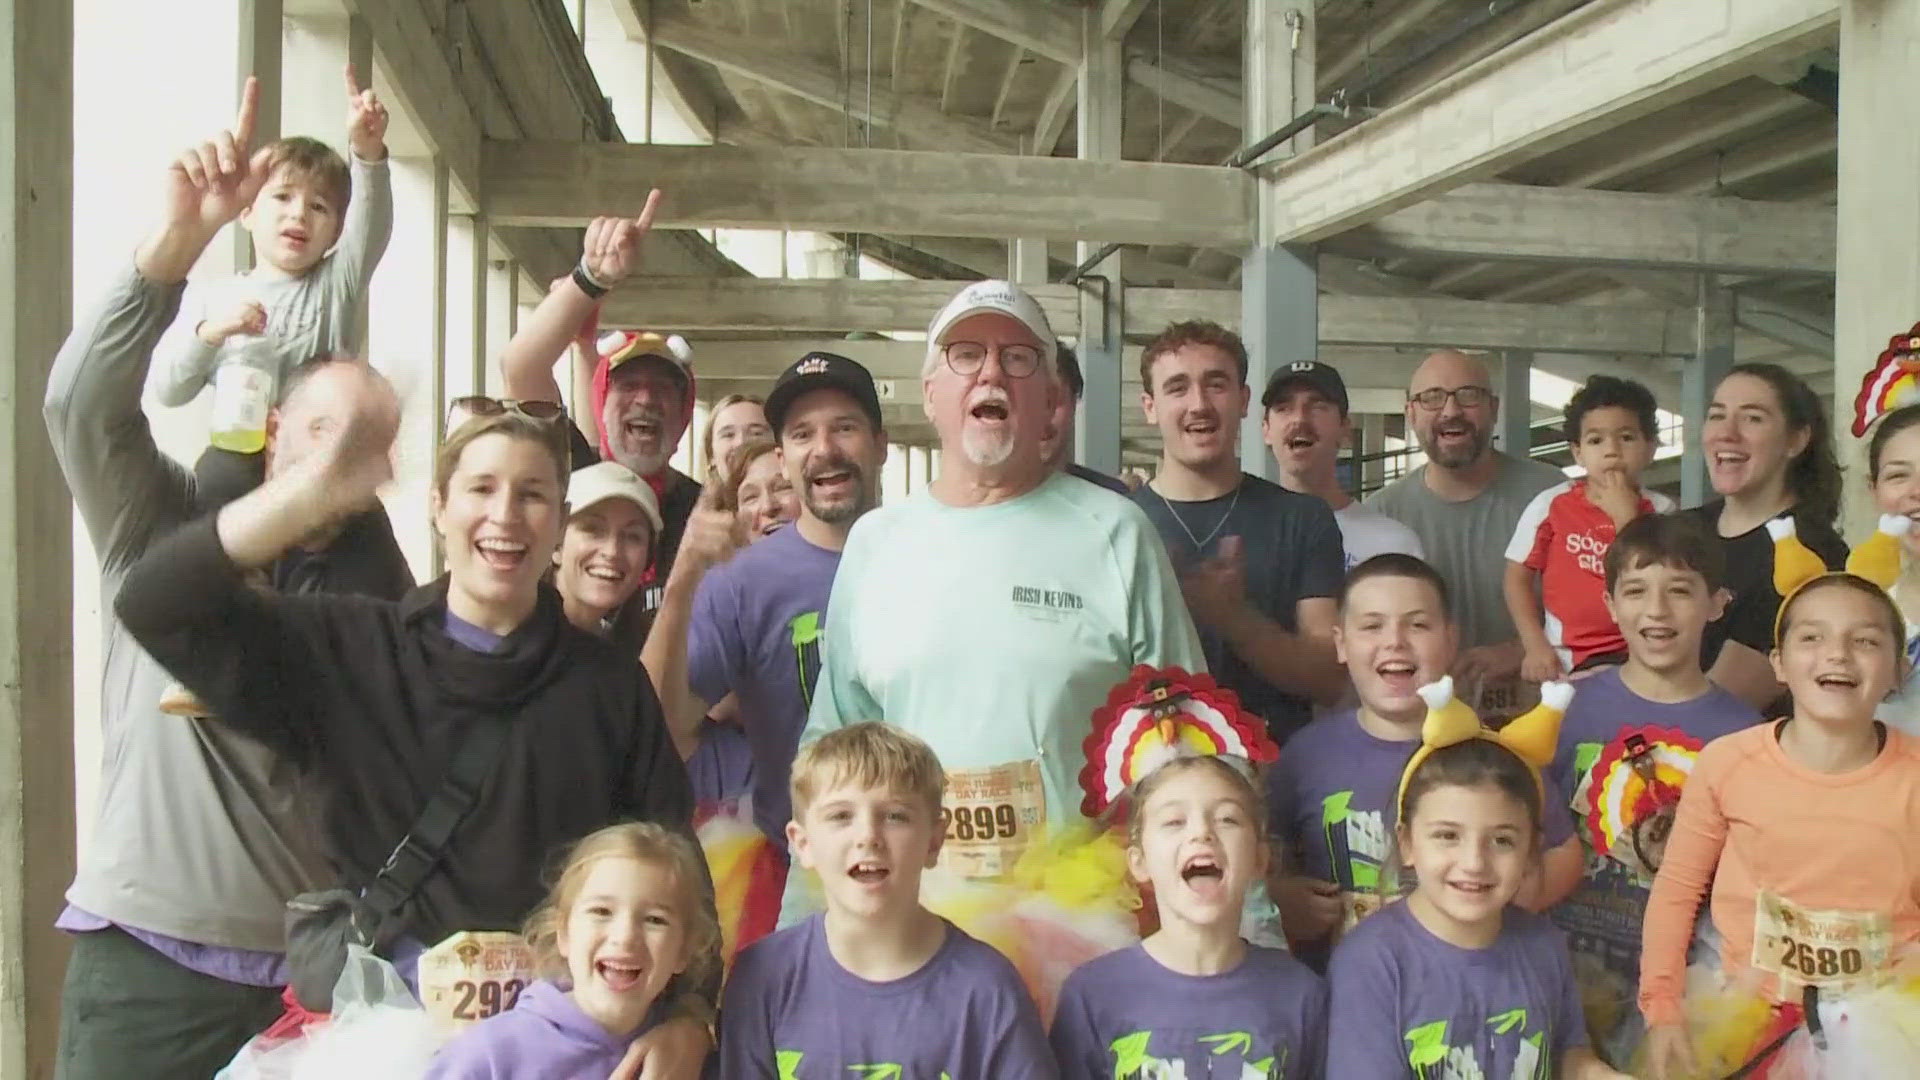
1200, 545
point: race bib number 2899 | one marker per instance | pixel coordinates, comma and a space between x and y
989, 816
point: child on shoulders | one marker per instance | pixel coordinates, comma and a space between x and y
1554, 560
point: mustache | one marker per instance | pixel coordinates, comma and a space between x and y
837, 463
646, 414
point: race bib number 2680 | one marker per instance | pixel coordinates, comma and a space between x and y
1827, 949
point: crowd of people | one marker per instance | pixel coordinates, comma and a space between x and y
1544, 776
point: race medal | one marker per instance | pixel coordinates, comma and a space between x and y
1832, 950
989, 816
1633, 794
475, 974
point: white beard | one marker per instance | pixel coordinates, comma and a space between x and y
985, 450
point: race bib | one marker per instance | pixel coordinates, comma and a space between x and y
989, 816
474, 975
1497, 701
1828, 949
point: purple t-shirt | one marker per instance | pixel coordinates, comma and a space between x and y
544, 1036
1330, 801
758, 621
721, 768
791, 1012
1404, 1003
1126, 1015
1602, 918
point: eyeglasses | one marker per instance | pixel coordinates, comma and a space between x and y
1434, 398
478, 405
968, 357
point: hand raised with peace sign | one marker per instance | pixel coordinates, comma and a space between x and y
612, 249
209, 184
366, 121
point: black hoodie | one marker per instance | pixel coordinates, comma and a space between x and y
371, 696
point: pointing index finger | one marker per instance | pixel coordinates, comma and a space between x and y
243, 123
645, 221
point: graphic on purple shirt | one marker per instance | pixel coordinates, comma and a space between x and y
1126, 1017
1403, 1003
543, 1037
758, 621
791, 1012
1330, 801
1602, 918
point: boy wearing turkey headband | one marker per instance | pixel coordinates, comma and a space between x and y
1626, 748
641, 388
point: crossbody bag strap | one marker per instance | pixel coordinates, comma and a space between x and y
420, 851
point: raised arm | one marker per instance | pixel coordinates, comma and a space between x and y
611, 251
186, 600
125, 487
368, 224
690, 619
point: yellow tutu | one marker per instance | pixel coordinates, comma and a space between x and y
1872, 1034
1066, 901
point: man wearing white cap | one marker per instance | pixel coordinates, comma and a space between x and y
991, 614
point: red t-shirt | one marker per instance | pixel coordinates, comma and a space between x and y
1564, 538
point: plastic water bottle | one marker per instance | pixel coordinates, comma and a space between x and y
242, 393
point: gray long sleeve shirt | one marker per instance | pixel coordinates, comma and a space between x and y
315, 314
202, 833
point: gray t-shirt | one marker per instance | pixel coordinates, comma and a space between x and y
1467, 541
1404, 1003
1125, 1015
791, 1012
1291, 547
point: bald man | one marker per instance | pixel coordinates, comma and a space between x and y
1461, 503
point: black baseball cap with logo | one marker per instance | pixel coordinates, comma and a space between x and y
1310, 373
818, 370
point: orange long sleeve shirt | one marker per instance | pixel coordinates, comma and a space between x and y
1823, 870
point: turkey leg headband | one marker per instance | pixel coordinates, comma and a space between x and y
1795, 566
1159, 715
1531, 736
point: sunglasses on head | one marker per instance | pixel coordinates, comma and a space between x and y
480, 405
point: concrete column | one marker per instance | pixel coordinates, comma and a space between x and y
1712, 356
1027, 262
1102, 346
1513, 432
1371, 439
36, 588
481, 269
1279, 287
259, 56
437, 356
1878, 278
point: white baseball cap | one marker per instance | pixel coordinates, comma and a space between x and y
999, 297
605, 480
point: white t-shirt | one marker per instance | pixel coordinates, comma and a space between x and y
1366, 532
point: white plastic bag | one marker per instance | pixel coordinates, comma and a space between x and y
378, 1031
